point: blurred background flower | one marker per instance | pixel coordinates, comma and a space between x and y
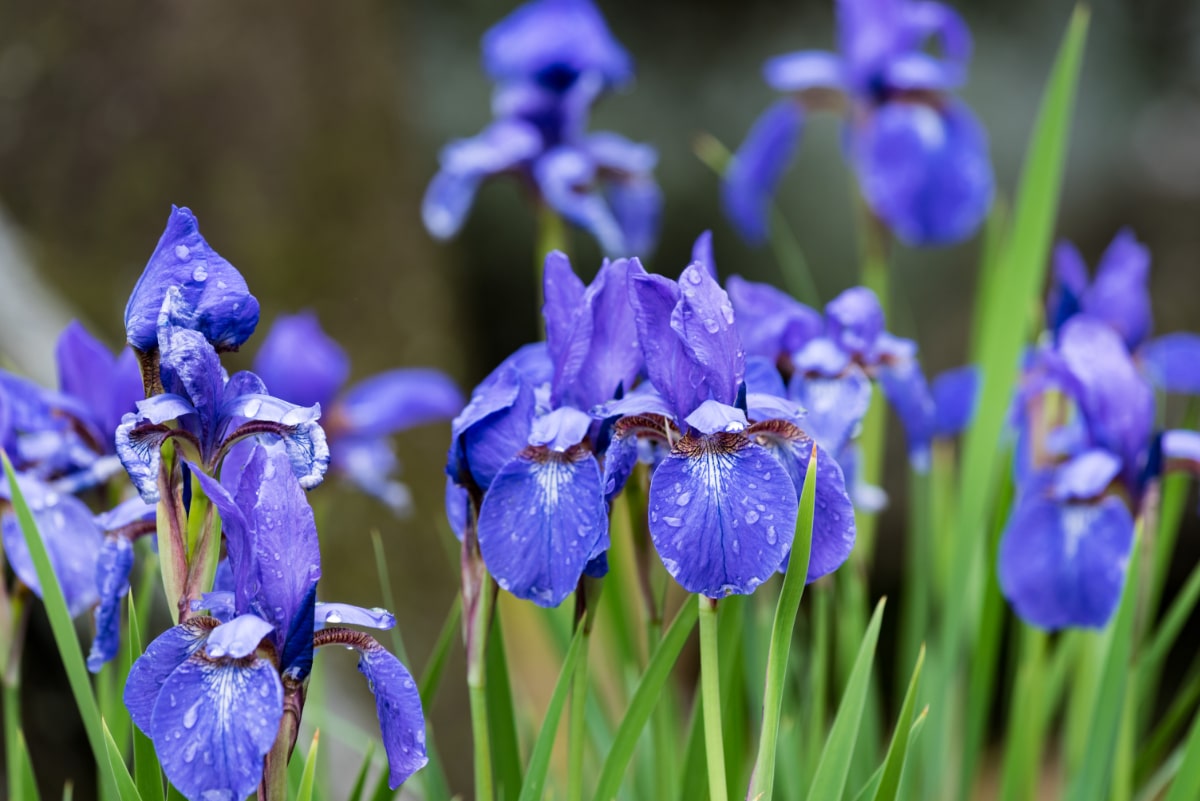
304, 136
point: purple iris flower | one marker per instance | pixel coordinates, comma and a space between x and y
723, 496
920, 155
121, 525
211, 412
67, 436
1086, 455
1120, 297
302, 364
213, 297
830, 360
552, 59
527, 447
211, 692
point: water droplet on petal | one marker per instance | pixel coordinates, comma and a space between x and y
683, 499
200, 273
182, 252
751, 517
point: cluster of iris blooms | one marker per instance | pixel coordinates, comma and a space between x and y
221, 693
1089, 455
703, 383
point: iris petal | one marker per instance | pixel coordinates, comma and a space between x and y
542, 520
722, 514
1172, 362
925, 171
1120, 295
834, 406
770, 321
299, 362
238, 638
804, 70
112, 581
1063, 565
72, 541
213, 297
348, 614
162, 656
397, 400
214, 723
398, 704
758, 165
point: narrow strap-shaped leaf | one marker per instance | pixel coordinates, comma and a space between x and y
869, 789
64, 634
126, 789
539, 760
1092, 780
897, 755
308, 779
644, 699
147, 773
763, 779
360, 779
832, 770
431, 677
1187, 781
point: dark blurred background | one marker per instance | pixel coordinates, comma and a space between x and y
303, 133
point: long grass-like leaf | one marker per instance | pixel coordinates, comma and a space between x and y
1186, 786
645, 697
502, 718
763, 779
309, 777
126, 789
539, 760
897, 755
431, 676
869, 789
1094, 774
360, 779
832, 770
64, 635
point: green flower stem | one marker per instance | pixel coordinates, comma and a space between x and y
172, 532
479, 596
587, 598
551, 235
710, 683
14, 640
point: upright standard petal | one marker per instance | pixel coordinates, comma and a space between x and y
398, 704
107, 386
213, 724
563, 311
770, 321
754, 172
543, 518
722, 514
835, 406
855, 321
214, 299
553, 42
1062, 565
924, 170
1120, 295
704, 319
702, 252
396, 400
955, 393
299, 362
670, 365
567, 177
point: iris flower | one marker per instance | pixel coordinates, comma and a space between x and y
723, 496
551, 60
213, 297
830, 360
300, 363
1086, 456
205, 413
527, 445
67, 436
212, 692
1119, 296
920, 155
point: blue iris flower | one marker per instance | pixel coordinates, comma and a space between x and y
526, 445
1120, 297
205, 412
213, 297
67, 436
920, 155
1086, 454
551, 60
731, 459
830, 360
211, 692
302, 364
